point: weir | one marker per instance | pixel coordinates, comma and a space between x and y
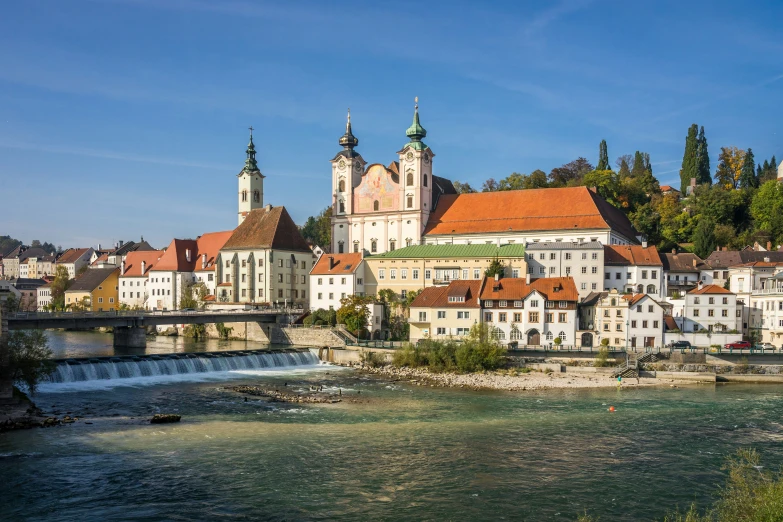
132, 366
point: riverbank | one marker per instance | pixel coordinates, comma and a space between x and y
508, 381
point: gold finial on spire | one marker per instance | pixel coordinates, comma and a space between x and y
416, 99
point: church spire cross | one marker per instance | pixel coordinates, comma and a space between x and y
416, 132
250, 162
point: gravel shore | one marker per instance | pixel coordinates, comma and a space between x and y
503, 381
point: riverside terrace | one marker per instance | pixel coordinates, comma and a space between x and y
129, 326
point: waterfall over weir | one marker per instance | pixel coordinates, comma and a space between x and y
128, 367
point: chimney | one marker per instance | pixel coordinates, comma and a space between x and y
644, 244
527, 278
99, 246
331, 262
695, 263
187, 255
122, 267
143, 267
769, 245
268, 207
674, 250
497, 277
121, 242
766, 259
203, 261
701, 284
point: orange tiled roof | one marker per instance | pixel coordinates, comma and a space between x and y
343, 264
268, 227
570, 208
710, 289
101, 259
133, 262
71, 255
633, 298
553, 288
631, 255
439, 295
175, 259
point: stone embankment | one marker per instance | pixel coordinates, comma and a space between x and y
511, 381
314, 397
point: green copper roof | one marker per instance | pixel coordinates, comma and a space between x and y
440, 251
250, 162
416, 132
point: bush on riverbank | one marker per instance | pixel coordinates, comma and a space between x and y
29, 358
477, 353
602, 358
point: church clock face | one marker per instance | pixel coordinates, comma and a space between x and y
341, 164
357, 166
409, 156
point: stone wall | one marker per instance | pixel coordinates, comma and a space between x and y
6, 386
279, 334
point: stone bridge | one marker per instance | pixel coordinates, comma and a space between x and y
130, 326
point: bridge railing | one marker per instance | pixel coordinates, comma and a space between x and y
150, 313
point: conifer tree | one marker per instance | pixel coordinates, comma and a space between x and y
773, 167
748, 177
638, 168
703, 159
603, 157
625, 170
704, 242
690, 168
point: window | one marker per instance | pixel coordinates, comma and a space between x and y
562, 336
441, 331
552, 256
476, 273
696, 300
549, 304
100, 299
359, 281
514, 272
654, 274
427, 274
551, 270
393, 273
320, 280
532, 317
355, 247
650, 308
606, 327
549, 336
381, 274
584, 269
567, 270
725, 300
562, 304
711, 312
542, 270
404, 273
280, 263
441, 314
633, 324
210, 277
502, 304
628, 275
529, 269
304, 265
619, 327
375, 205
465, 273
279, 278
404, 294
502, 317
279, 292
392, 246
644, 324
696, 313
607, 275
542, 256
487, 317
415, 273
489, 303
534, 303
519, 304
228, 278
619, 313
463, 315
374, 244
724, 313
244, 278
409, 201
549, 317
594, 270
584, 255
644, 274
711, 300
562, 317
517, 317
568, 256
409, 179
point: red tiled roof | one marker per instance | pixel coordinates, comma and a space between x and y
175, 259
343, 264
101, 259
570, 208
631, 255
268, 227
668, 188
72, 255
553, 288
133, 262
633, 298
439, 295
710, 289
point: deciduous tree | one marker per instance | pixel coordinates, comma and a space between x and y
730, 163
463, 188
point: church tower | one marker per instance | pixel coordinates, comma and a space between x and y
416, 177
347, 170
251, 183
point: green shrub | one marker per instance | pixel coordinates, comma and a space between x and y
195, 331
472, 355
742, 365
373, 359
602, 359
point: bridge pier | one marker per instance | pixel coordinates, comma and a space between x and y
130, 337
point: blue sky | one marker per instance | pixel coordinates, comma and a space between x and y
122, 118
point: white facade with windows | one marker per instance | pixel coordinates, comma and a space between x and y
584, 262
710, 308
632, 321
334, 277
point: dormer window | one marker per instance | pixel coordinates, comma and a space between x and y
488, 304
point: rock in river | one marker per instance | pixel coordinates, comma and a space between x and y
164, 418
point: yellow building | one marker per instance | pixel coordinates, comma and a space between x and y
422, 266
97, 290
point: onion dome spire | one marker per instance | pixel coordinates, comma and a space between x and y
416, 132
250, 161
348, 140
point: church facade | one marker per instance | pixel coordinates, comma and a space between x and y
379, 208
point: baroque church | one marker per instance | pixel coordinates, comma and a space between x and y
378, 208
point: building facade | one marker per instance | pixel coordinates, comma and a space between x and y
446, 312
135, 269
334, 277
710, 308
634, 269
96, 290
74, 260
581, 261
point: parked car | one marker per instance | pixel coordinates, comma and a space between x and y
738, 345
764, 347
680, 344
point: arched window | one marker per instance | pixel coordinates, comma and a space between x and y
342, 206
424, 181
340, 247
498, 334
650, 289
549, 336
374, 245
640, 289
409, 202
614, 301
408, 242
376, 206
256, 196
244, 195
341, 186
409, 179
562, 337
516, 335
392, 246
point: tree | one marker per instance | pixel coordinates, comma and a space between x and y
537, 179
690, 163
748, 177
495, 267
623, 167
318, 229
29, 358
702, 160
605, 183
354, 313
490, 185
767, 209
603, 157
463, 188
570, 174
59, 285
730, 163
515, 181
639, 164
704, 242
192, 295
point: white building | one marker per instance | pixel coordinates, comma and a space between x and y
747, 280
710, 308
629, 321
74, 259
445, 312
583, 262
684, 271
334, 277
134, 273
531, 313
768, 305
44, 296
633, 269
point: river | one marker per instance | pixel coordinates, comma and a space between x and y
399, 452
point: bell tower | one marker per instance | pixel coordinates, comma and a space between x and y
416, 176
251, 183
347, 169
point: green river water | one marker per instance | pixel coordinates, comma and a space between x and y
400, 452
